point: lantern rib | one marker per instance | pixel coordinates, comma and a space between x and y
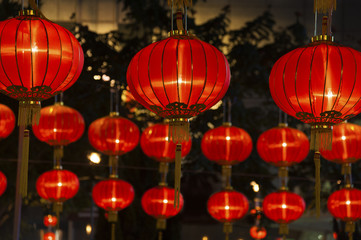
60, 55
31, 60
71, 65
1, 62
140, 54
341, 80
310, 79
283, 81
177, 70
165, 91
274, 84
47, 52
150, 82
190, 92
353, 87
298, 61
16, 51
325, 82
206, 74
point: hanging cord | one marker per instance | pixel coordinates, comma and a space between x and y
35, 6
346, 171
226, 174
325, 7
163, 171
316, 19
227, 110
283, 176
113, 166
113, 231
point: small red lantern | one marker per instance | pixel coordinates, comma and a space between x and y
113, 135
49, 236
227, 206
227, 145
283, 146
283, 207
155, 143
258, 232
7, 121
346, 144
113, 195
57, 186
50, 221
59, 125
3, 183
345, 204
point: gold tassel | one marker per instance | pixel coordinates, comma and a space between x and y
58, 155
112, 216
350, 229
160, 235
24, 165
324, 6
113, 231
283, 175
226, 174
178, 130
113, 164
321, 138
29, 113
161, 224
177, 174
163, 171
180, 3
58, 207
227, 229
283, 230
317, 161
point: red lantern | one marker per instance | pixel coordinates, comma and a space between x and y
227, 206
283, 207
57, 185
283, 146
3, 183
50, 220
113, 195
49, 236
345, 204
346, 144
226, 145
158, 202
155, 144
7, 121
113, 135
39, 59
258, 232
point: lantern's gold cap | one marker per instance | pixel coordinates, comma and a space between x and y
28, 12
179, 33
323, 38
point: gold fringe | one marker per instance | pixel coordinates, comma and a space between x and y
163, 171
321, 138
58, 208
346, 168
112, 216
24, 165
180, 3
178, 130
160, 235
350, 229
324, 6
226, 174
113, 164
227, 227
113, 231
177, 174
161, 224
29, 113
317, 161
58, 155
283, 230
283, 175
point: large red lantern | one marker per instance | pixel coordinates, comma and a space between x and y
283, 146
49, 236
155, 143
258, 233
113, 195
158, 202
113, 135
59, 125
39, 59
283, 207
57, 186
3, 183
346, 144
227, 145
345, 204
7, 121
227, 206
50, 220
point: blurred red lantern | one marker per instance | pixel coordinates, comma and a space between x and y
49, 236
7, 121
59, 125
57, 185
283, 146
226, 145
3, 183
113, 135
345, 204
283, 207
39, 59
155, 143
113, 195
158, 202
346, 144
258, 232
50, 220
